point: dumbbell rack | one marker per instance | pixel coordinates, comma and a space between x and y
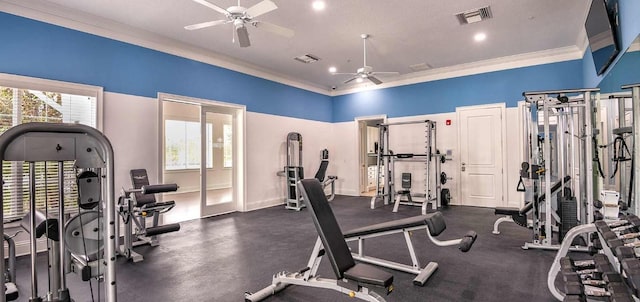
615, 262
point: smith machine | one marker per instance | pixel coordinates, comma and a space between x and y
432, 194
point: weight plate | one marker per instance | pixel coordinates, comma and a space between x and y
82, 234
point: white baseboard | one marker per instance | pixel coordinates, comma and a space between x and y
266, 203
347, 192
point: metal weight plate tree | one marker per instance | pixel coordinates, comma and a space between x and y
558, 147
89, 150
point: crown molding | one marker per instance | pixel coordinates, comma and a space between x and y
61, 16
503, 63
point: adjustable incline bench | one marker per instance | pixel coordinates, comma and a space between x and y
519, 216
323, 217
352, 279
433, 224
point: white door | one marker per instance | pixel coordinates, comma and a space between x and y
481, 158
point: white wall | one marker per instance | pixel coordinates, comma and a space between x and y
266, 154
131, 124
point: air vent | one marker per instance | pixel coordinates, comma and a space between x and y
475, 15
308, 58
420, 66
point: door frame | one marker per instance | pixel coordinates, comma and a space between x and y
239, 144
359, 146
503, 146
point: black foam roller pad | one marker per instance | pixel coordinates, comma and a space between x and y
153, 189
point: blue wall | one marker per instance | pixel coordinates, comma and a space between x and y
445, 95
629, 18
42, 50
36, 49
626, 71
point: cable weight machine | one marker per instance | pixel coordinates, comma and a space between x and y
84, 243
431, 159
559, 148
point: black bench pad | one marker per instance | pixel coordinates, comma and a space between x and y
387, 226
434, 221
368, 274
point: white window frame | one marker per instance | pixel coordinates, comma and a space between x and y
22, 82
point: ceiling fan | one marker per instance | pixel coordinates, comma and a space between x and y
241, 17
366, 72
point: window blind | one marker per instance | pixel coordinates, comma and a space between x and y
18, 106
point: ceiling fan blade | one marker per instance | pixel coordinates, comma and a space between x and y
350, 80
387, 72
243, 36
260, 8
349, 73
212, 6
204, 24
374, 80
276, 29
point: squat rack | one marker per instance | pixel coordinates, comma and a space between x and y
88, 148
386, 160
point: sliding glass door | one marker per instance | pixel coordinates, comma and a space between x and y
217, 173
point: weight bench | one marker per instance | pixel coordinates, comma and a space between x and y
136, 205
351, 278
519, 215
433, 224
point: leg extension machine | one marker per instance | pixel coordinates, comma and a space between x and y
136, 205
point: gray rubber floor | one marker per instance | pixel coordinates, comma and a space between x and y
219, 258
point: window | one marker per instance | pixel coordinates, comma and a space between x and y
227, 140
182, 145
24, 100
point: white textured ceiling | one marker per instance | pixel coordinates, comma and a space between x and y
403, 33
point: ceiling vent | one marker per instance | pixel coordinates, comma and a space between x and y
420, 67
475, 15
308, 58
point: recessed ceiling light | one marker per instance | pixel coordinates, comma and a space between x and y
480, 37
359, 80
333, 69
318, 5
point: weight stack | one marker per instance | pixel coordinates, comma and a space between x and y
568, 214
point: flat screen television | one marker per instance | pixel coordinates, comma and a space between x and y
601, 32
